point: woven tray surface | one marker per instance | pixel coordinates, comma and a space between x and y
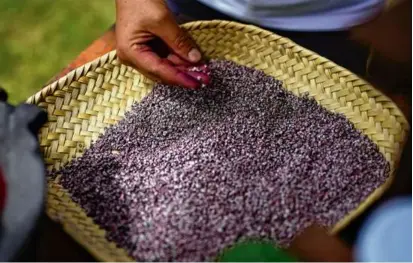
85, 101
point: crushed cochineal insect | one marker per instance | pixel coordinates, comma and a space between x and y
187, 173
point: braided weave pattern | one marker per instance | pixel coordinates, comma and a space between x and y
96, 95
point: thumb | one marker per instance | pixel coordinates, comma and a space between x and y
179, 41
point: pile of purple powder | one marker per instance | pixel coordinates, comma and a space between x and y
188, 173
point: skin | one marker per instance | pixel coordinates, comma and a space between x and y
316, 245
150, 40
141, 22
390, 34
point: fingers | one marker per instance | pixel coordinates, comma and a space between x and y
199, 72
199, 76
138, 29
178, 40
176, 60
155, 67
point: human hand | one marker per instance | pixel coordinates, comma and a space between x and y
149, 39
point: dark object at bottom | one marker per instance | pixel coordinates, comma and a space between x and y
253, 251
3, 94
24, 176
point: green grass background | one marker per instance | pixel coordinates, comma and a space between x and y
40, 37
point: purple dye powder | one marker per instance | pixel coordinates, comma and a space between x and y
188, 173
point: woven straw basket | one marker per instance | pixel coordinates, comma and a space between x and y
85, 101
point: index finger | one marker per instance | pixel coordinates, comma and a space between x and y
148, 61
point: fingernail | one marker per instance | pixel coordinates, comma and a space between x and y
199, 76
194, 55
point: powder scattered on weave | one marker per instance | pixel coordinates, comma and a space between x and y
187, 173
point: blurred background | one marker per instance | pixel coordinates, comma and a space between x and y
40, 37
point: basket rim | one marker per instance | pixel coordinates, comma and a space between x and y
201, 24
77, 73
